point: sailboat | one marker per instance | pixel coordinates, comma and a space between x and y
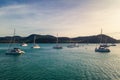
102, 47
57, 46
14, 50
24, 44
76, 45
36, 46
113, 44
71, 45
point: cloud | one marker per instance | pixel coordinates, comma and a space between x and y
68, 18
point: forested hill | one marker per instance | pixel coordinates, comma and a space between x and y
52, 39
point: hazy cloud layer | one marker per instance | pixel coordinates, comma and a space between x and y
65, 17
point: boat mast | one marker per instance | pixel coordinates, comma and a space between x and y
14, 36
101, 37
34, 39
57, 39
12, 41
70, 41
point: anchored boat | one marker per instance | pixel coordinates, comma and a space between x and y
102, 47
35, 46
12, 50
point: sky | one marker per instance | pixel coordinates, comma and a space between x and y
67, 18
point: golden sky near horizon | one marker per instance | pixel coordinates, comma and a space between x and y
67, 18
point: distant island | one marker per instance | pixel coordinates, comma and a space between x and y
52, 39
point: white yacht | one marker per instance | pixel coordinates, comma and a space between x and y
76, 44
24, 44
102, 47
14, 50
35, 46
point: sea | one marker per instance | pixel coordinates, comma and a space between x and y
46, 63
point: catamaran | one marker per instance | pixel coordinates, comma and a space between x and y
14, 50
36, 46
57, 46
102, 47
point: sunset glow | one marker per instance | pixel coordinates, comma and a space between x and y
69, 18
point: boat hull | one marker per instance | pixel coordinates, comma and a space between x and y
57, 47
70, 46
14, 53
102, 50
36, 46
24, 45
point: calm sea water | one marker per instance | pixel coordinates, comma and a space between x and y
66, 64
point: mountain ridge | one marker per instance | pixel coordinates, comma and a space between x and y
52, 39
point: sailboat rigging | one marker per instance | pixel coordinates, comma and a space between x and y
102, 47
12, 50
35, 45
57, 46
